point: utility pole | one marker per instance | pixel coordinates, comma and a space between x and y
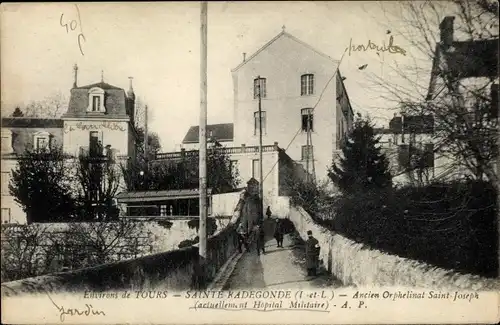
203, 137
146, 138
261, 180
308, 129
311, 147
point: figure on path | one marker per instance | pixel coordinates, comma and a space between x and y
260, 240
312, 254
242, 237
268, 212
278, 233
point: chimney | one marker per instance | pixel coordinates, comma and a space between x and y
446, 31
244, 56
75, 81
130, 84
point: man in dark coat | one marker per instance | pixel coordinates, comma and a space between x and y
278, 233
260, 240
312, 254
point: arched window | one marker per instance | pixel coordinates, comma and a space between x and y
307, 84
96, 100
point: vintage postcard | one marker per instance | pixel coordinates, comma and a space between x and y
250, 162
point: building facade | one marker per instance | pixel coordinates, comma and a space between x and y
99, 119
300, 88
464, 74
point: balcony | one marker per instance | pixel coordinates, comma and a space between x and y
233, 150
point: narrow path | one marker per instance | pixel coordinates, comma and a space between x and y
278, 268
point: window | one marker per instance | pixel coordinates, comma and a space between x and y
307, 84
259, 84
96, 100
163, 210
256, 123
307, 113
255, 169
5, 183
233, 165
41, 143
307, 152
5, 215
429, 155
94, 143
96, 103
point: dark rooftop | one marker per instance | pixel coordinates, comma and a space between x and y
143, 196
31, 122
221, 132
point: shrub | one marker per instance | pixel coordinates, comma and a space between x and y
448, 225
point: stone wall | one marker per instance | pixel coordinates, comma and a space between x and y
173, 270
355, 264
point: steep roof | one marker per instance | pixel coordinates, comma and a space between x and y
114, 101
222, 132
31, 122
102, 85
280, 35
25, 128
465, 59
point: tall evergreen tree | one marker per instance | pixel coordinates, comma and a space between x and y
363, 165
39, 184
17, 112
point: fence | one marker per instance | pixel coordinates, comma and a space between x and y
176, 270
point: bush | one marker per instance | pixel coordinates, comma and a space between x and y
448, 225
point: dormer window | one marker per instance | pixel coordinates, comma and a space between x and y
96, 103
41, 141
96, 100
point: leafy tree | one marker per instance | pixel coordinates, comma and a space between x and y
98, 180
50, 107
463, 101
363, 165
183, 173
17, 112
39, 184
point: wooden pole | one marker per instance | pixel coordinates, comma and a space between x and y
261, 179
203, 136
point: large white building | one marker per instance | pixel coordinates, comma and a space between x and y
98, 116
295, 80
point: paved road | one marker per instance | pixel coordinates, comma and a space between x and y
278, 268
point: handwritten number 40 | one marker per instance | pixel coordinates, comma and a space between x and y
72, 25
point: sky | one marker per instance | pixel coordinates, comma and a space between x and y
158, 44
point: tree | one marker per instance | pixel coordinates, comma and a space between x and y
98, 179
50, 107
465, 112
17, 112
363, 165
40, 185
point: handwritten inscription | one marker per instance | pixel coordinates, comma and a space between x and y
370, 46
88, 310
113, 126
72, 25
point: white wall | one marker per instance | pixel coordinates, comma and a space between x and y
282, 64
112, 132
12, 212
224, 204
354, 264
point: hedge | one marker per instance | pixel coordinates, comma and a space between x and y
453, 226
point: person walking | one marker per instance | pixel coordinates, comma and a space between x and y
260, 240
278, 233
312, 254
268, 212
242, 237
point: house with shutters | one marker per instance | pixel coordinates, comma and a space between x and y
461, 70
99, 121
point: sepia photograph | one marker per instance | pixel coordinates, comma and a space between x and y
298, 161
